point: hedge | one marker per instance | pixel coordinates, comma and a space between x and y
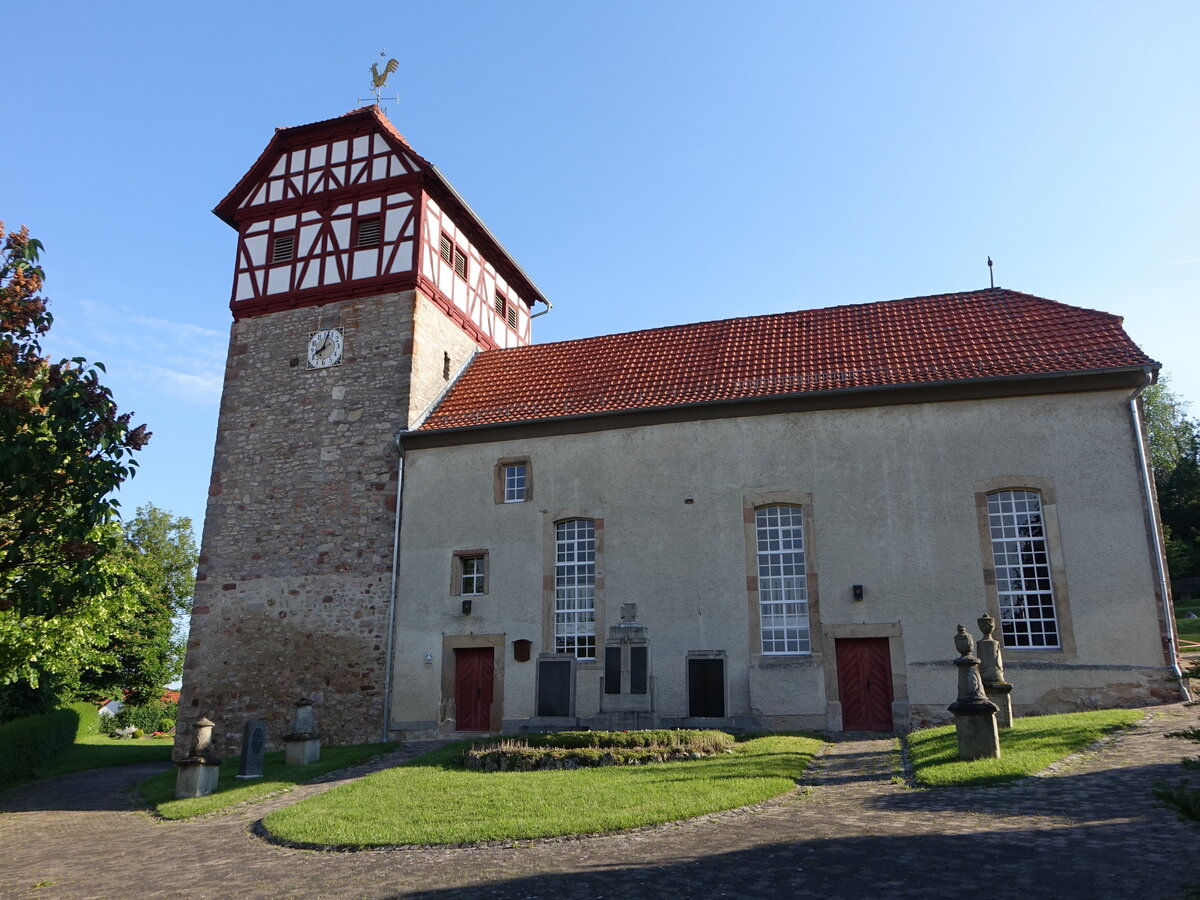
25, 744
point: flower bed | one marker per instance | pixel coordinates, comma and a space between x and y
592, 749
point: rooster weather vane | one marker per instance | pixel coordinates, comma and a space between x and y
378, 78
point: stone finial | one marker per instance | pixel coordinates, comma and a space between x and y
201, 746
964, 643
628, 612
198, 771
304, 722
986, 625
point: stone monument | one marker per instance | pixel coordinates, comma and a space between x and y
254, 742
198, 771
303, 745
991, 672
974, 713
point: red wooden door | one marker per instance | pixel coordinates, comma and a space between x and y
473, 688
864, 673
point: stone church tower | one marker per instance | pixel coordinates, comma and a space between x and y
363, 283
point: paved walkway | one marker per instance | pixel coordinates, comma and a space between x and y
1089, 830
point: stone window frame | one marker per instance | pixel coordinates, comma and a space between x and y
1048, 495
550, 520
499, 474
457, 572
752, 501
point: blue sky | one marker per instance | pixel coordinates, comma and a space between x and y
647, 163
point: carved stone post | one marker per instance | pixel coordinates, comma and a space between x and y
974, 713
198, 771
991, 672
303, 745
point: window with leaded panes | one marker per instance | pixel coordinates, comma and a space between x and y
1024, 587
575, 588
782, 585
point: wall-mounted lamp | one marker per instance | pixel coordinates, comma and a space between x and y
858, 592
466, 607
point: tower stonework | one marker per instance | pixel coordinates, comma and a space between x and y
363, 285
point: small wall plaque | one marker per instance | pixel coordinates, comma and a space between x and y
521, 650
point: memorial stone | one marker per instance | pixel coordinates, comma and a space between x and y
254, 743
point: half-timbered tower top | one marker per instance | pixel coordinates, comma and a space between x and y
346, 208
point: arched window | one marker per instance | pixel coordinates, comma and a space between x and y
782, 585
575, 587
1022, 559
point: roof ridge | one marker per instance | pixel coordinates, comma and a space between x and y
684, 326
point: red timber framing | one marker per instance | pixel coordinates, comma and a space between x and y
321, 182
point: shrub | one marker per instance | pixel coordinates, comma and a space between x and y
28, 743
157, 715
687, 739
587, 749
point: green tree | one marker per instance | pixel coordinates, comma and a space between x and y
1175, 454
157, 563
63, 450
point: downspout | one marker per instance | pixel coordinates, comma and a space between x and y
1156, 535
391, 618
549, 306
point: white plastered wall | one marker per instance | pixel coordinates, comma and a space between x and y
893, 509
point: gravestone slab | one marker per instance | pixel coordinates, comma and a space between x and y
254, 743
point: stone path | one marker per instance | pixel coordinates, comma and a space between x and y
1089, 830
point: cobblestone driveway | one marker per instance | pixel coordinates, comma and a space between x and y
1089, 829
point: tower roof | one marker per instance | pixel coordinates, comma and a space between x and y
982, 335
356, 122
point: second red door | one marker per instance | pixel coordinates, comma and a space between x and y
473, 688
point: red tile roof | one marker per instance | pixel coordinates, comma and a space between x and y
921, 340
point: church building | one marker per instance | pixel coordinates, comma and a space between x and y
429, 525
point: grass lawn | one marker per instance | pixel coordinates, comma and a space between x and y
432, 801
94, 751
1029, 746
159, 791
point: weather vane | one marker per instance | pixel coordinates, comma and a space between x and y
379, 79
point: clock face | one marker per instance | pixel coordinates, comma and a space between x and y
325, 348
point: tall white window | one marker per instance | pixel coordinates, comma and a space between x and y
1022, 559
514, 483
782, 589
575, 588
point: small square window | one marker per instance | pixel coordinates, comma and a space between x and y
446, 248
513, 480
514, 484
369, 231
473, 577
469, 576
460, 263
283, 248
